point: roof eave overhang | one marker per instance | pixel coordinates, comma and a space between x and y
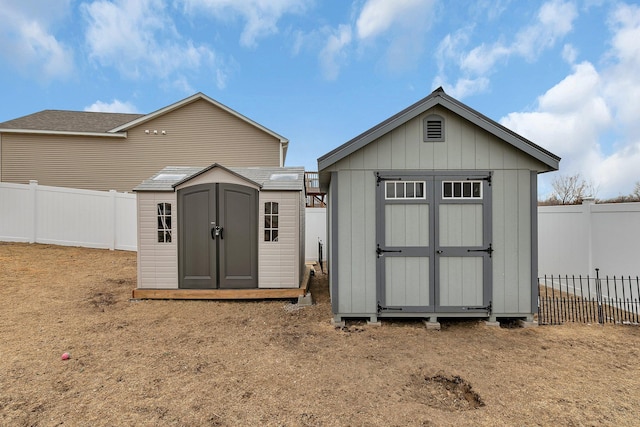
65, 133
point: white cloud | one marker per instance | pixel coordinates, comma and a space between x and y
115, 106
139, 39
378, 16
28, 41
403, 23
332, 56
569, 53
553, 21
260, 16
589, 119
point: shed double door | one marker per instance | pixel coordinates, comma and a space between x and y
433, 242
217, 237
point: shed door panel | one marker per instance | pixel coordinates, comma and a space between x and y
239, 243
463, 244
196, 212
404, 249
432, 236
409, 277
228, 259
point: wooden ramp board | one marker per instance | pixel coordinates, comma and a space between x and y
214, 294
225, 294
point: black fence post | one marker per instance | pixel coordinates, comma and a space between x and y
599, 297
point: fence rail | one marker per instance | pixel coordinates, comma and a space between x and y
587, 299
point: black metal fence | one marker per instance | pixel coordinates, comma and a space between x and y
587, 299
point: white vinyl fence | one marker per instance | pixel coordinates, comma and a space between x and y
577, 239
63, 216
315, 232
572, 240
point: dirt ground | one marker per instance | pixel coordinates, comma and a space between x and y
207, 363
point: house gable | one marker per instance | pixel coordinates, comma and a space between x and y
194, 132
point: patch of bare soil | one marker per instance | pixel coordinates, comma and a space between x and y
226, 363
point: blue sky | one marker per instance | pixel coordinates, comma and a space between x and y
565, 74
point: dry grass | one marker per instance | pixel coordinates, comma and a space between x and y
210, 363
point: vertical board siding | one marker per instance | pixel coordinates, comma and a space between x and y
279, 262
157, 262
460, 281
467, 147
198, 134
358, 242
460, 225
345, 270
410, 278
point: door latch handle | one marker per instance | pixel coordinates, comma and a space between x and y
439, 251
488, 250
380, 251
216, 231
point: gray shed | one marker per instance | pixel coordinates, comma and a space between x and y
432, 213
220, 232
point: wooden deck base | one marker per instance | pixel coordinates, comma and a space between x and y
225, 294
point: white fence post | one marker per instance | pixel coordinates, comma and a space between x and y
587, 202
112, 219
33, 223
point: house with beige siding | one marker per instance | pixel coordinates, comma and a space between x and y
111, 151
432, 214
219, 232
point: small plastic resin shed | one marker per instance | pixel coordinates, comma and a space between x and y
432, 213
219, 232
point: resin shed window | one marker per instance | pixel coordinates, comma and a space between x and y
433, 128
271, 222
164, 222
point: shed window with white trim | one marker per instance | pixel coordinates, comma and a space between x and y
395, 190
433, 128
164, 222
462, 189
271, 221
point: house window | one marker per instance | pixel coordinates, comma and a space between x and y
271, 222
462, 189
164, 222
433, 128
395, 190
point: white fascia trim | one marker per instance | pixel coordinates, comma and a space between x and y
67, 133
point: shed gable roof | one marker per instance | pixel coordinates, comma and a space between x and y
266, 178
439, 97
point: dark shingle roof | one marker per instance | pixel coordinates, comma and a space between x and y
70, 121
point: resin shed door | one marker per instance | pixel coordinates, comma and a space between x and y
217, 239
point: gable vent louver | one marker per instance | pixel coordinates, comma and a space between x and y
433, 128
